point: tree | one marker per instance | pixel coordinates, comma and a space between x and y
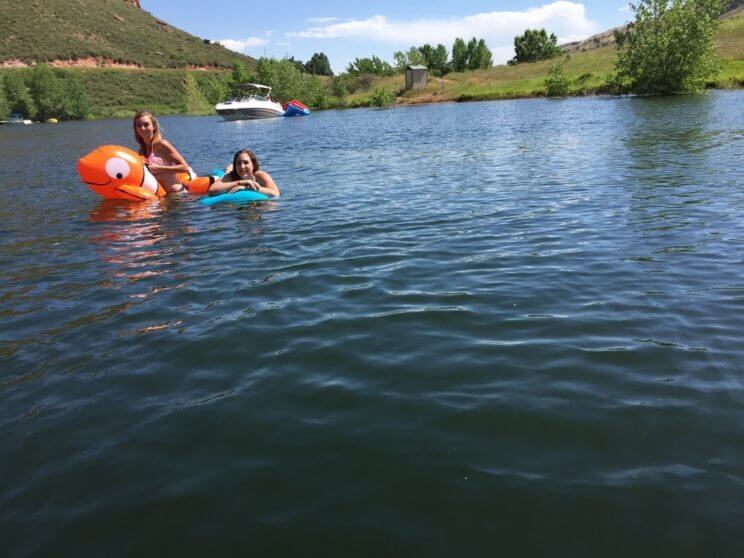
239, 75
300, 65
483, 55
669, 47
412, 57
319, 65
219, 89
435, 58
18, 96
470, 52
46, 92
288, 82
459, 56
478, 55
194, 101
4, 105
75, 105
374, 66
535, 45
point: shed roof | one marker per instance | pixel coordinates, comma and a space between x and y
417, 68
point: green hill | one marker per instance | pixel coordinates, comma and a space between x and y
101, 32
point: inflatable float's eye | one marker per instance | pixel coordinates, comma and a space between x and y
117, 168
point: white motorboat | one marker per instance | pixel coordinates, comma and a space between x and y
17, 120
254, 103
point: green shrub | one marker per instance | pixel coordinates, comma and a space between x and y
339, 87
194, 101
46, 92
557, 84
18, 96
381, 97
75, 103
581, 85
669, 47
4, 105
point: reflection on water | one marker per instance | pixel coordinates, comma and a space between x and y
536, 304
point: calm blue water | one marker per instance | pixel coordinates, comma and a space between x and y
510, 328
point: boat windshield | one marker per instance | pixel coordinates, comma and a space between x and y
254, 90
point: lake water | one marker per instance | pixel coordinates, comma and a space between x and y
511, 328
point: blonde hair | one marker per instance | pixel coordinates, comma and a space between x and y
156, 136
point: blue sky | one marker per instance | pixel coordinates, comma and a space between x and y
345, 30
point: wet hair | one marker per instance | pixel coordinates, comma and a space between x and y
156, 136
251, 154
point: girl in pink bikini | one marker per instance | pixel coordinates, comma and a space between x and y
161, 158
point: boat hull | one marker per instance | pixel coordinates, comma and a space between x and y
249, 113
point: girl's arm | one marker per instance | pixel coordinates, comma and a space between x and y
224, 186
266, 184
173, 155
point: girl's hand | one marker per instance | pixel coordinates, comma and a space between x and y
249, 184
153, 168
236, 189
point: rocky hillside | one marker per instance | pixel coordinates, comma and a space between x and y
111, 33
735, 8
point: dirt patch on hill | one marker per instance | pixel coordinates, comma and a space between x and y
13, 64
99, 62
92, 62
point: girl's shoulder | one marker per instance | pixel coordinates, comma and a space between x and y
260, 173
164, 144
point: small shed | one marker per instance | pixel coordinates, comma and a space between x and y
416, 76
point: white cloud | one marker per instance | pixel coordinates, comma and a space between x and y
566, 19
283, 44
322, 20
241, 45
626, 9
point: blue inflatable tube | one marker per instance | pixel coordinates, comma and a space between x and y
242, 196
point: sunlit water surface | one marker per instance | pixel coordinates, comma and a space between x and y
508, 328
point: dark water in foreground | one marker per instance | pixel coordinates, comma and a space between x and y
506, 328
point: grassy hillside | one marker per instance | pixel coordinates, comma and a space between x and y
588, 70
116, 93
115, 30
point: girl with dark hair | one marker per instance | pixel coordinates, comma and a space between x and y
246, 174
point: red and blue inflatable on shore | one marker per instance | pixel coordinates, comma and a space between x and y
295, 108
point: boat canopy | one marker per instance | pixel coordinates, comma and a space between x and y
258, 86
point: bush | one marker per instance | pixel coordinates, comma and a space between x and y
4, 105
361, 82
557, 83
582, 84
339, 87
219, 89
75, 103
288, 82
381, 97
46, 92
535, 45
669, 47
194, 101
18, 95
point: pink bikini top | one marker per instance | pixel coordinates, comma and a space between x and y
153, 159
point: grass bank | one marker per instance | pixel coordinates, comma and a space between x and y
587, 70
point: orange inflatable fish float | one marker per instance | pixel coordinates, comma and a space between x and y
116, 172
